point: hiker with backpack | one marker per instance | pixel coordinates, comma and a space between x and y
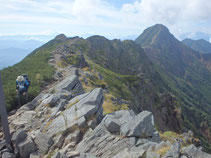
22, 85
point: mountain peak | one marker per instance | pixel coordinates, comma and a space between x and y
155, 35
61, 37
159, 26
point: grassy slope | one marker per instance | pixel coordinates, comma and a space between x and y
35, 66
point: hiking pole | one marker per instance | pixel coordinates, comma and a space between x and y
4, 118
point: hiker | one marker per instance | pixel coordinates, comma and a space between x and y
22, 85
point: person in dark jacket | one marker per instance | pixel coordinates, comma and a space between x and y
22, 86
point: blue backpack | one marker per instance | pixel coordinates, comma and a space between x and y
26, 79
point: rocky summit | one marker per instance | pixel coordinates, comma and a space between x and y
63, 121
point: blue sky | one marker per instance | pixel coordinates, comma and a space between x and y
110, 18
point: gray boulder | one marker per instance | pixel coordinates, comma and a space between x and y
91, 104
112, 124
123, 116
192, 151
26, 148
43, 142
70, 83
129, 124
141, 125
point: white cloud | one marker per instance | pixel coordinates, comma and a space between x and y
62, 15
171, 11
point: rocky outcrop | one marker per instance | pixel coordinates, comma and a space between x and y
119, 134
128, 124
81, 107
65, 122
192, 151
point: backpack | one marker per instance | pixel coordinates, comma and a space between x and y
26, 78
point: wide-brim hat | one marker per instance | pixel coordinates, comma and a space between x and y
20, 78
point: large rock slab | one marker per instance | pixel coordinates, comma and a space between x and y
85, 105
69, 83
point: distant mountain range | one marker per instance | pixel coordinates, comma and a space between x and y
201, 45
13, 51
21, 44
10, 56
196, 36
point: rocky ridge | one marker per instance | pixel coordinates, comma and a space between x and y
66, 122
